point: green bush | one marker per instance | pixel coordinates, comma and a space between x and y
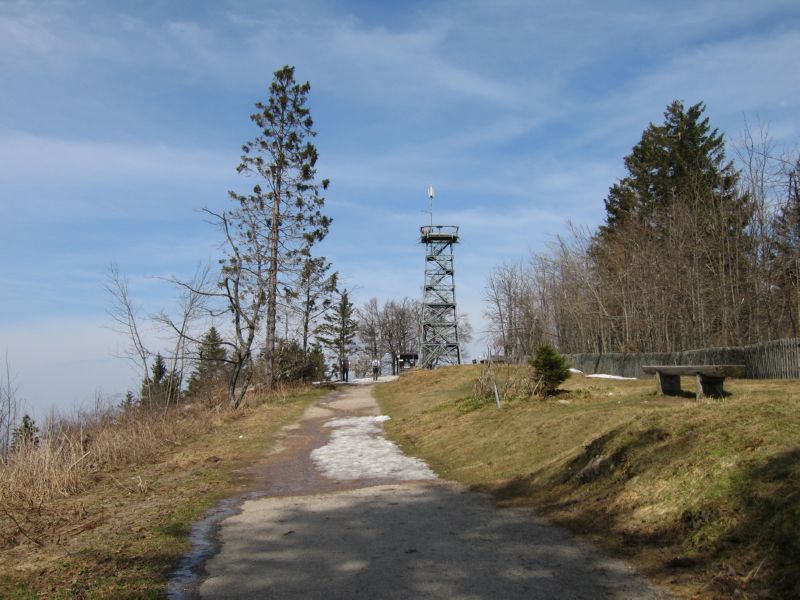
292, 365
551, 369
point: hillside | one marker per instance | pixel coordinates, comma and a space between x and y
122, 527
704, 497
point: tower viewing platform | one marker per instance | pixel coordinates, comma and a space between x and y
438, 233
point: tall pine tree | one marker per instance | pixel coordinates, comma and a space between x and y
282, 217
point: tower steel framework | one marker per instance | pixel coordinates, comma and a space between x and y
439, 336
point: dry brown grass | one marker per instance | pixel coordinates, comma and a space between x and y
72, 450
68, 456
103, 505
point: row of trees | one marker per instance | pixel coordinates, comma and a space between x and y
339, 331
694, 252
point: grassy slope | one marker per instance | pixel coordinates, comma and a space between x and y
703, 497
127, 532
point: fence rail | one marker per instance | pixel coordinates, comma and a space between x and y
778, 359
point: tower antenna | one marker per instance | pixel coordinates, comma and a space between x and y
430, 202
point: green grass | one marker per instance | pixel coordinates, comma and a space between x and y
703, 496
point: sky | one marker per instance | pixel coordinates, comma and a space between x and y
121, 121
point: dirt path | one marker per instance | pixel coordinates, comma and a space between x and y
380, 536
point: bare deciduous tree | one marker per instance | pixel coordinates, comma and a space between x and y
192, 305
124, 313
9, 408
514, 320
389, 329
399, 326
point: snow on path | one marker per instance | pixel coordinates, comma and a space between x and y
358, 450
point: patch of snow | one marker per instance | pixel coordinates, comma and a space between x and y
358, 450
564, 402
369, 380
602, 376
577, 371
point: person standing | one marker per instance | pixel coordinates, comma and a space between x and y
376, 369
345, 369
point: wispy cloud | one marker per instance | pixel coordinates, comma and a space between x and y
100, 176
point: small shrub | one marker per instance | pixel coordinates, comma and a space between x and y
511, 382
471, 403
551, 369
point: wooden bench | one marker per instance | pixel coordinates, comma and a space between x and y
709, 377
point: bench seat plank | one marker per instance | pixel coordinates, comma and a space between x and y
708, 370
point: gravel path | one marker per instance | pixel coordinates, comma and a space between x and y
363, 532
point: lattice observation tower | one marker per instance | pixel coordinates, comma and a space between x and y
439, 335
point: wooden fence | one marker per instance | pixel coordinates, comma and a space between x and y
778, 359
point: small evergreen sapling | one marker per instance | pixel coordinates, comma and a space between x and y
26, 435
550, 367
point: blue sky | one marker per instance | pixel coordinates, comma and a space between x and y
119, 121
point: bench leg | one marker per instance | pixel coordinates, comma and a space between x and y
670, 385
710, 386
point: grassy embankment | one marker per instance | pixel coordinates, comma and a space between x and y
113, 521
704, 497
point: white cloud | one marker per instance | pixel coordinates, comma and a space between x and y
100, 175
346, 57
750, 69
735, 77
25, 155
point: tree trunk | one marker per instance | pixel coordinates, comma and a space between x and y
272, 287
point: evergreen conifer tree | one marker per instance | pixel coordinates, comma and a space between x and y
672, 162
161, 388
211, 366
128, 402
313, 294
550, 367
339, 327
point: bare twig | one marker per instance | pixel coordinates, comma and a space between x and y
18, 526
